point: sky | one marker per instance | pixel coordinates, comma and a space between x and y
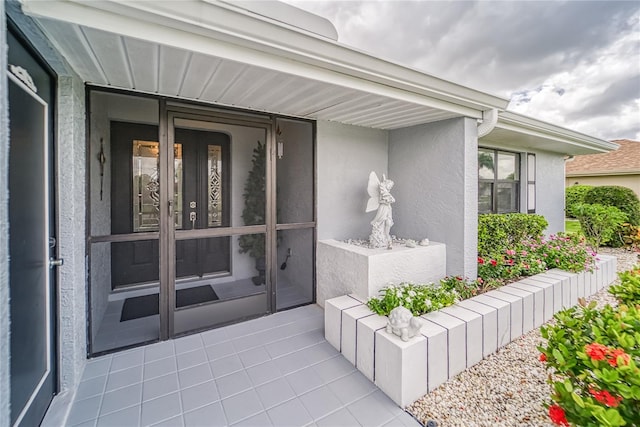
572, 63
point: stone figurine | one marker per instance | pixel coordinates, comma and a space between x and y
403, 324
380, 198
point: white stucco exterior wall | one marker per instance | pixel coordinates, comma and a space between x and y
550, 189
5, 342
434, 167
71, 230
345, 157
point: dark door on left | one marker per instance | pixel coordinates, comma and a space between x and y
31, 236
201, 191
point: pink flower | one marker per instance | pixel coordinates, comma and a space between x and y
511, 252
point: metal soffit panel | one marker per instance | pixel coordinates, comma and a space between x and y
109, 59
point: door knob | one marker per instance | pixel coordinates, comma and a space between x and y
192, 218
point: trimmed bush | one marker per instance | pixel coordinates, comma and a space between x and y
622, 198
574, 195
498, 233
599, 223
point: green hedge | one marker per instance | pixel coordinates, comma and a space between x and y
499, 232
574, 195
622, 198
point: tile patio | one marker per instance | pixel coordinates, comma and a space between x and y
273, 371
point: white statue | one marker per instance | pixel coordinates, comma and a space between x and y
403, 324
380, 199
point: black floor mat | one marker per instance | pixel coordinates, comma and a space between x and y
147, 305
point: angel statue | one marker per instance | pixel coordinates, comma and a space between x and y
380, 198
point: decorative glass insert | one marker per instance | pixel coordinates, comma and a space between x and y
146, 186
214, 167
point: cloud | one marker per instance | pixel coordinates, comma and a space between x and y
573, 63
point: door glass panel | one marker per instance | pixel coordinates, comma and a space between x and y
295, 268
128, 317
214, 193
146, 185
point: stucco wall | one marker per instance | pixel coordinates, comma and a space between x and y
71, 226
630, 181
5, 343
434, 167
550, 189
345, 157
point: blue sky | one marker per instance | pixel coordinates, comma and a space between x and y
572, 63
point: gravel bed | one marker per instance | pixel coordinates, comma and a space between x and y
507, 388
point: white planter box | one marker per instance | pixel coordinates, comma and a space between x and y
453, 338
344, 269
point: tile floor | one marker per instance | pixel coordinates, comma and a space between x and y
273, 371
112, 333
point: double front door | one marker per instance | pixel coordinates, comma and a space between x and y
201, 201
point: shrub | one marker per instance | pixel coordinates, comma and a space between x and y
499, 232
574, 195
626, 235
419, 299
564, 251
622, 198
628, 291
599, 223
592, 357
533, 256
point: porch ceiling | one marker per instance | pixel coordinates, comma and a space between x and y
152, 52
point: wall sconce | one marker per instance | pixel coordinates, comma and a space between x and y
279, 142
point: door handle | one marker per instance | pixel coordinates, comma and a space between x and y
170, 208
192, 218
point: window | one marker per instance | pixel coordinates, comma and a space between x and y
531, 183
498, 181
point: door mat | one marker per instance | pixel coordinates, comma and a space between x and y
147, 305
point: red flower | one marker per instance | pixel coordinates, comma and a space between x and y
557, 415
596, 351
604, 397
613, 357
480, 260
543, 357
494, 262
510, 261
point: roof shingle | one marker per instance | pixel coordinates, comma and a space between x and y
625, 159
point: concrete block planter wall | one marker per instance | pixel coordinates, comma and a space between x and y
456, 337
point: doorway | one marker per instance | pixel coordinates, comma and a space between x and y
201, 170
190, 216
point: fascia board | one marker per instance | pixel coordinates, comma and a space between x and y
533, 127
303, 54
604, 173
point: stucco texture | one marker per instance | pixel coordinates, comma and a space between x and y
434, 167
345, 157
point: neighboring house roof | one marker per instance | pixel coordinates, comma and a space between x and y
625, 160
277, 60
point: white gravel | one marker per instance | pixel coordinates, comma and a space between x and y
507, 388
